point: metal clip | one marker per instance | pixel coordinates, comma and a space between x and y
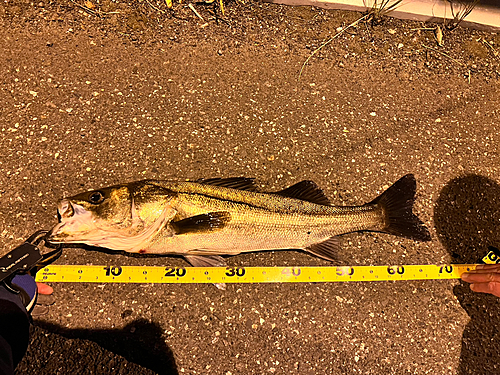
26, 258
48, 258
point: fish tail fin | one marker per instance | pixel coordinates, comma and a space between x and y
397, 205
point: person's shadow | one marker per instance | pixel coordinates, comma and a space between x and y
467, 220
141, 343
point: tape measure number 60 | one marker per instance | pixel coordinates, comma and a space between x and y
207, 275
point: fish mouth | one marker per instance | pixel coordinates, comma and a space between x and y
70, 216
65, 209
54, 236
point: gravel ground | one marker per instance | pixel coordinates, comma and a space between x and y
132, 92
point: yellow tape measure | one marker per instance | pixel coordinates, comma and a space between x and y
204, 275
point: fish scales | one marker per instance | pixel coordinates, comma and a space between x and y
272, 209
260, 221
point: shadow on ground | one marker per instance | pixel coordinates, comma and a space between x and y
140, 343
467, 219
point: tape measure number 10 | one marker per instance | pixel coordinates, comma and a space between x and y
208, 275
191, 275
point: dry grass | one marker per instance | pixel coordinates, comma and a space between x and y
374, 15
459, 10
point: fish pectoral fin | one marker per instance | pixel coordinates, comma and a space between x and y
328, 249
207, 261
202, 223
240, 183
307, 191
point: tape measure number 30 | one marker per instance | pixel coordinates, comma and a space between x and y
204, 275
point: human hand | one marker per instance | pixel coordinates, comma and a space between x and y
484, 279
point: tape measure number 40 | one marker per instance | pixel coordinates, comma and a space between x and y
192, 275
208, 275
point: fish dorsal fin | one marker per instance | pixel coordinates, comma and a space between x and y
328, 249
240, 183
307, 191
202, 223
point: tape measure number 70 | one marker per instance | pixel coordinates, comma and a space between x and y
208, 275
191, 275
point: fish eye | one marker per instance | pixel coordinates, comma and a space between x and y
96, 197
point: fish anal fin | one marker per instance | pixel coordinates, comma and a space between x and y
328, 249
207, 261
307, 191
202, 223
240, 183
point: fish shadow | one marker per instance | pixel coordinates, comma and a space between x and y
467, 220
140, 342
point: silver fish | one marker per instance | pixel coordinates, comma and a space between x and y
211, 217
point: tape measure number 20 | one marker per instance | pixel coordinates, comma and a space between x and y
208, 275
192, 275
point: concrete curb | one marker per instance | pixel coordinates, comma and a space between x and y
484, 16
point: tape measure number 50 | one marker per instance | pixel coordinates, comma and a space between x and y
204, 275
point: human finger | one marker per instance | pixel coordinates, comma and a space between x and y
490, 288
488, 267
475, 277
484, 269
44, 288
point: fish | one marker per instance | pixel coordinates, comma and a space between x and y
205, 219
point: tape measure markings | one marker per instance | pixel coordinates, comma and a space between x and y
204, 275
